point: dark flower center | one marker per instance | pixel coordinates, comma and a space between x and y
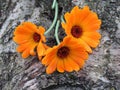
36, 37
76, 31
63, 52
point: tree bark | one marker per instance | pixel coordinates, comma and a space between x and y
102, 69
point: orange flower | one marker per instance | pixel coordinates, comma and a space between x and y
28, 36
69, 55
82, 24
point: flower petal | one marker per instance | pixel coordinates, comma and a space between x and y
91, 42
80, 54
30, 26
83, 13
26, 53
32, 50
52, 67
22, 30
74, 65
41, 30
78, 60
60, 66
91, 22
47, 59
22, 39
22, 47
67, 17
86, 46
67, 65
92, 35
41, 49
75, 15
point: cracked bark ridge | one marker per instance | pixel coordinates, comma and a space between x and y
102, 69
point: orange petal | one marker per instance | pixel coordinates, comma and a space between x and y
43, 39
41, 49
50, 54
86, 46
60, 66
75, 14
22, 30
84, 13
67, 65
92, 35
20, 40
67, 17
80, 54
77, 47
67, 27
72, 42
69, 22
41, 30
75, 9
78, 60
30, 26
47, 47
47, 59
52, 50
91, 42
63, 25
91, 22
67, 39
52, 67
32, 50
22, 47
92, 17
40, 58
26, 53
73, 64
91, 27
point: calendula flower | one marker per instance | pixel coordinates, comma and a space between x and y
69, 55
82, 24
28, 36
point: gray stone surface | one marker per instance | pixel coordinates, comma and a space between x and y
102, 69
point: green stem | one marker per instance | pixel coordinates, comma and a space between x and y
62, 20
55, 19
53, 5
56, 32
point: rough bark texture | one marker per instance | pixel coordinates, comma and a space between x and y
102, 69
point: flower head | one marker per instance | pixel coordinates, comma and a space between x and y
69, 55
28, 36
82, 24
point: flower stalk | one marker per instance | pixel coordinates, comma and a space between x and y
55, 5
56, 32
62, 19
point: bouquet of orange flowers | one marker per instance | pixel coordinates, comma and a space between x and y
80, 26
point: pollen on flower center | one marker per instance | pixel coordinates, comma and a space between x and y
36, 37
63, 52
76, 31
